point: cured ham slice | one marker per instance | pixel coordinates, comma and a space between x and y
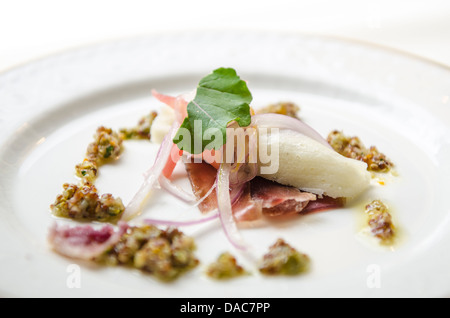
202, 177
84, 241
278, 199
324, 203
259, 197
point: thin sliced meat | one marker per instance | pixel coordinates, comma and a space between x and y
83, 241
324, 203
202, 177
278, 199
259, 196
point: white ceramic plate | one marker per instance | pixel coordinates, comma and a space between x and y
50, 109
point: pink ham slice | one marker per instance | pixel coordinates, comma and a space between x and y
83, 241
246, 207
278, 199
202, 177
259, 197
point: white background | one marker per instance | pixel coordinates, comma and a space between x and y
31, 29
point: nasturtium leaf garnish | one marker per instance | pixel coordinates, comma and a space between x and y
221, 97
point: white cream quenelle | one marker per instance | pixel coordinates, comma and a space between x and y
162, 123
312, 166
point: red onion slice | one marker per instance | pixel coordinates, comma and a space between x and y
236, 192
214, 215
151, 177
287, 122
225, 207
179, 193
178, 103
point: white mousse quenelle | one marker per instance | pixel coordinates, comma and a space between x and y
306, 164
